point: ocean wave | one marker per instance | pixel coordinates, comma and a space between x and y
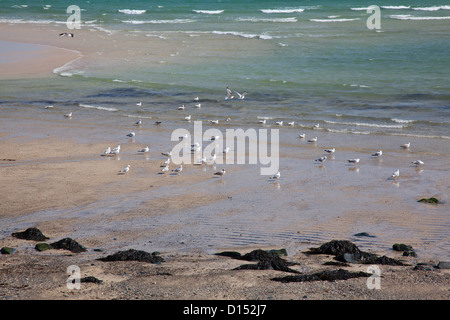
409, 17
432, 8
402, 121
347, 131
209, 11
282, 10
282, 20
395, 7
362, 124
359, 9
97, 107
158, 21
130, 11
334, 20
22, 21
243, 35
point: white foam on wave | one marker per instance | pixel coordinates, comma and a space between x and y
131, 11
432, 8
334, 20
158, 21
278, 20
410, 17
395, 7
97, 107
362, 124
208, 11
402, 121
243, 35
298, 10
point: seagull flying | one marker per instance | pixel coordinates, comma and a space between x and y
241, 96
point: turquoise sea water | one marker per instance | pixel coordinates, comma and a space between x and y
303, 60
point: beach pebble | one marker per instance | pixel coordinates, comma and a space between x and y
7, 250
444, 265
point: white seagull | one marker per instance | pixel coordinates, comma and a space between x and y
166, 168
188, 118
316, 126
226, 150
107, 151
213, 138
262, 121
181, 108
212, 158
418, 162
280, 123
229, 94
131, 134
196, 99
68, 115
322, 159
406, 145
167, 162
179, 169
241, 96
126, 169
139, 122
220, 173
330, 150
139, 104
291, 123
377, 154
116, 150
276, 176
167, 154
313, 139
353, 160
215, 121
396, 174
198, 105
302, 136
146, 149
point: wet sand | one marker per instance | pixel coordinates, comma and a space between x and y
54, 178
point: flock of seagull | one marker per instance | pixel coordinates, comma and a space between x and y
196, 147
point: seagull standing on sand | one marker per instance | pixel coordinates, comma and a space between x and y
167, 154
353, 160
139, 122
220, 173
316, 126
68, 115
262, 121
167, 162
321, 159
226, 150
406, 145
188, 118
313, 140
280, 123
291, 123
276, 176
179, 169
166, 168
330, 150
126, 169
107, 151
131, 134
396, 174
377, 154
418, 163
302, 136
146, 149
116, 150
215, 121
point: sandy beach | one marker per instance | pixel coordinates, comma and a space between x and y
55, 178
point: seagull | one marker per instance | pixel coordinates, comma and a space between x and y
125, 170
241, 96
353, 160
198, 105
139, 104
316, 126
68, 115
396, 174
65, 34
195, 148
107, 151
48, 107
166, 168
276, 176
179, 169
313, 139
406, 145
302, 136
377, 154
196, 99
181, 108
146, 149
131, 134
158, 122
228, 119
262, 121
139, 122
213, 138
226, 150
280, 123
167, 162
330, 150
203, 160
183, 137
188, 118
418, 162
212, 158
291, 123
220, 173
322, 159
215, 121
229, 94
167, 154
